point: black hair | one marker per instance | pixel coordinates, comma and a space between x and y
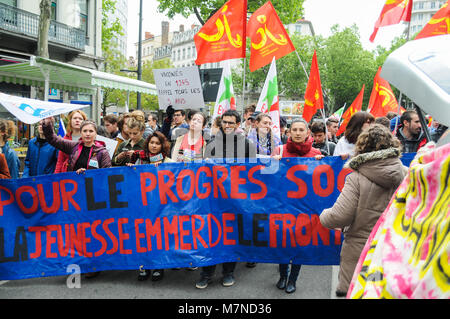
232, 113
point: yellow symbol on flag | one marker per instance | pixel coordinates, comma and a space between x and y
402, 4
222, 27
266, 33
437, 21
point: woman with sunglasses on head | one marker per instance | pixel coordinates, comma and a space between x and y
75, 119
156, 151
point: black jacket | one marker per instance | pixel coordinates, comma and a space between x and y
230, 146
412, 145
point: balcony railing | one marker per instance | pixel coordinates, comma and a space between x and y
26, 23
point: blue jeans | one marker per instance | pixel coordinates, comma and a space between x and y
295, 270
227, 268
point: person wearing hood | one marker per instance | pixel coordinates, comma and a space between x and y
41, 156
86, 153
410, 132
227, 144
377, 172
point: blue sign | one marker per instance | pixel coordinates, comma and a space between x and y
173, 215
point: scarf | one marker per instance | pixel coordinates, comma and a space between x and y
144, 156
301, 149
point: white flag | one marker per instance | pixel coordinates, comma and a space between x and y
268, 100
31, 111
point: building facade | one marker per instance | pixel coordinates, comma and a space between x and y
121, 13
74, 37
422, 12
301, 27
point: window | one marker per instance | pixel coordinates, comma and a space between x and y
432, 5
83, 5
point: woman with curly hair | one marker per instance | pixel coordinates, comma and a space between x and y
377, 172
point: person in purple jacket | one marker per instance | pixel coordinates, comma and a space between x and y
87, 153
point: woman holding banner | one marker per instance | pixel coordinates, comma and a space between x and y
298, 145
86, 153
367, 191
156, 151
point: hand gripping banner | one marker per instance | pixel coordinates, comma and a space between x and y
173, 215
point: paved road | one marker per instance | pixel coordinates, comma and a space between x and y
315, 282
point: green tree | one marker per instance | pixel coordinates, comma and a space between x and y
346, 67
288, 10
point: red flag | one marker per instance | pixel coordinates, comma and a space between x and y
355, 107
393, 12
438, 25
313, 94
268, 37
222, 37
382, 99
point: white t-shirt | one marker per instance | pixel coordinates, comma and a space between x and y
344, 147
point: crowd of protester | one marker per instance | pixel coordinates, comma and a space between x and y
372, 147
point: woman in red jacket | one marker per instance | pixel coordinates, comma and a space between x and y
73, 134
298, 145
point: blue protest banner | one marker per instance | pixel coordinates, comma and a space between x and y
173, 215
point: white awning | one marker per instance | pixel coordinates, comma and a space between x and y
68, 77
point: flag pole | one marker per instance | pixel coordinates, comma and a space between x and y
243, 84
298, 56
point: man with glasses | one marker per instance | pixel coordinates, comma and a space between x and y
227, 144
